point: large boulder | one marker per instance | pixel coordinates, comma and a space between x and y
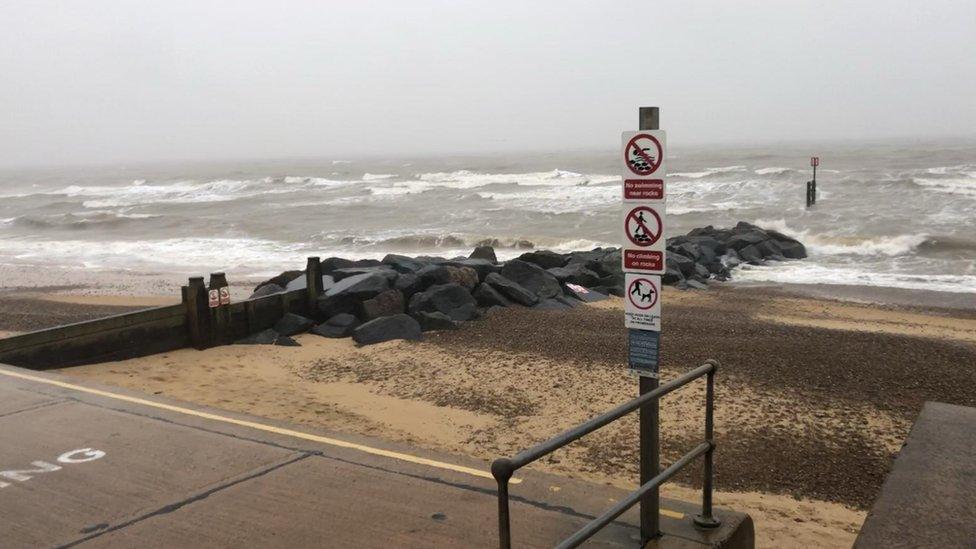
532, 277
267, 289
512, 290
340, 325
435, 321
751, 254
281, 280
575, 273
268, 337
402, 263
345, 295
748, 238
486, 253
482, 266
684, 264
672, 270
385, 270
451, 299
486, 296
291, 324
545, 259
431, 275
791, 248
463, 276
385, 303
387, 328
408, 284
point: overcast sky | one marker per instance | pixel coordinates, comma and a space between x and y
99, 81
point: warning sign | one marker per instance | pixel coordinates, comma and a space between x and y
643, 239
213, 298
225, 295
643, 152
644, 189
643, 226
642, 310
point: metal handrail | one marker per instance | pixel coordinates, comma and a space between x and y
503, 469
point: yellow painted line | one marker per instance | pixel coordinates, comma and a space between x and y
262, 427
672, 514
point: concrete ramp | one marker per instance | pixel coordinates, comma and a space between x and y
96, 466
929, 498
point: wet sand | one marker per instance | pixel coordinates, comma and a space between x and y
814, 397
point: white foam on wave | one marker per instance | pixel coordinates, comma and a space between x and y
772, 171
726, 206
808, 272
962, 186
378, 176
831, 244
585, 199
708, 172
179, 254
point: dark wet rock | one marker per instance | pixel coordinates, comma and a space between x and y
751, 254
264, 337
750, 238
481, 266
531, 277
681, 263
386, 303
611, 263
451, 299
486, 253
291, 324
402, 263
431, 275
385, 270
299, 283
435, 321
286, 341
702, 271
545, 259
512, 290
462, 276
281, 280
267, 289
408, 284
387, 328
345, 295
486, 296
340, 325
330, 264
575, 273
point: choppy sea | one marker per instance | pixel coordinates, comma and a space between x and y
897, 215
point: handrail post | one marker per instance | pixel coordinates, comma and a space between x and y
502, 470
706, 519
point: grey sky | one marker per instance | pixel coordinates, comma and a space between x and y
100, 81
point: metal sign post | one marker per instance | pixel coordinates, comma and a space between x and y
642, 255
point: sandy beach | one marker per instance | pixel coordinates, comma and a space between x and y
814, 397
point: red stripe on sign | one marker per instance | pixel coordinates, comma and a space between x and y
647, 261
643, 189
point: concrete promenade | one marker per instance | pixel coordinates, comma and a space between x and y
84, 464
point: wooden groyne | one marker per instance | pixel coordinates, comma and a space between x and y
191, 323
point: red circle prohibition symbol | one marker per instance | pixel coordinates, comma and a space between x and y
638, 159
647, 300
642, 235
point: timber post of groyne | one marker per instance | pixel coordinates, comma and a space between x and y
219, 315
313, 283
197, 313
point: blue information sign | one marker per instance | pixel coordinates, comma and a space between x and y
643, 352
